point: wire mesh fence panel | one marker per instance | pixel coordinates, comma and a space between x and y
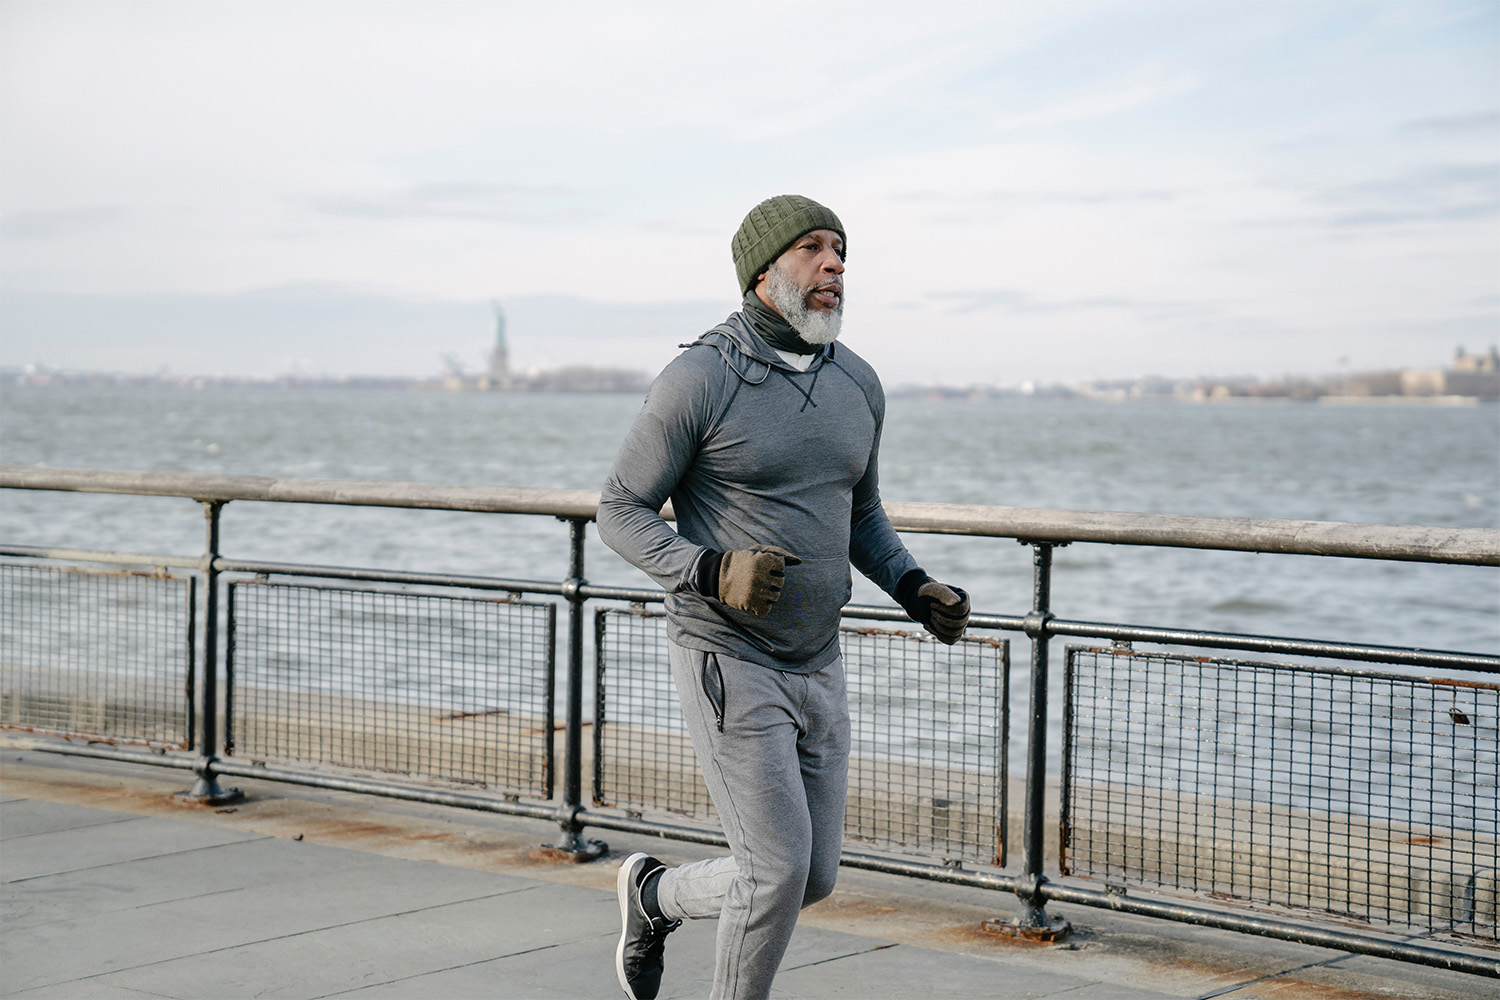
928, 760
439, 686
928, 736
643, 757
106, 654
1369, 796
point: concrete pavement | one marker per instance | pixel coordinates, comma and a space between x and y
112, 888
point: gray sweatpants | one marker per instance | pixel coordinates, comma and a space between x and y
774, 749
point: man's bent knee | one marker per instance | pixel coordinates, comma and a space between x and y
819, 886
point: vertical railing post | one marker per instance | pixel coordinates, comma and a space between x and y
572, 841
206, 789
1032, 921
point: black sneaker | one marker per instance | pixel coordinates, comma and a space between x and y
642, 938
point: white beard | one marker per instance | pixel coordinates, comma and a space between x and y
813, 325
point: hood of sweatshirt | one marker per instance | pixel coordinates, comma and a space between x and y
747, 353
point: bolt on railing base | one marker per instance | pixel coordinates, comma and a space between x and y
571, 849
206, 790
208, 793
1037, 927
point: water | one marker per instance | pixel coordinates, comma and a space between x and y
1393, 465
1436, 466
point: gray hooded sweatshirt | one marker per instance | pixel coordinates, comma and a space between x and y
752, 452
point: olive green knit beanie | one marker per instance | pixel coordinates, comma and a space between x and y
771, 227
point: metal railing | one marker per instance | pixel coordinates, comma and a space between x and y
1192, 787
1356, 793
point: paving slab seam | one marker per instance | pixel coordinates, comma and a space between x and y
1271, 977
124, 861
840, 958
209, 894
123, 818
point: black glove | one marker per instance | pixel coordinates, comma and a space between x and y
750, 579
937, 607
947, 610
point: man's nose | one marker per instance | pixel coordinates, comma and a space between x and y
832, 262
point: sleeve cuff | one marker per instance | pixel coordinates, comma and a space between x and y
906, 594
706, 577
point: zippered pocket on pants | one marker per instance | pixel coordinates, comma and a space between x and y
713, 687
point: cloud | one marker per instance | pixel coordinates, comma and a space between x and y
1455, 192
1019, 301
1074, 169
478, 201
1097, 104
849, 94
977, 200
970, 300
1452, 125
61, 222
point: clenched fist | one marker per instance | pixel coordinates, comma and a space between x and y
750, 579
946, 610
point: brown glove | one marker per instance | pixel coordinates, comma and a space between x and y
947, 610
750, 579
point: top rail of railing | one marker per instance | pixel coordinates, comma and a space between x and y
1409, 543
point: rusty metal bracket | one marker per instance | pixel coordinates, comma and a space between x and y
572, 846
1032, 923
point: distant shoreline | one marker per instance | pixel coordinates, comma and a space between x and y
1384, 389
928, 393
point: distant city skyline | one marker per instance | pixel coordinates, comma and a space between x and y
1044, 192
1472, 374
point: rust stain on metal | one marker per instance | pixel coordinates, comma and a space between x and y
451, 716
979, 938
79, 736
871, 631
1051, 934
1454, 682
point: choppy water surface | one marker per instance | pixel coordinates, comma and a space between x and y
1435, 466
1392, 465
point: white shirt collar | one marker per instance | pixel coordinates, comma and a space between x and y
801, 362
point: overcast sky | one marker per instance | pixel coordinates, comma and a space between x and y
1032, 190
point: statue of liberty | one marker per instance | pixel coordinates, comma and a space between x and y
499, 374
